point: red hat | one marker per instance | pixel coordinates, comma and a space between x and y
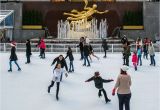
13, 43
96, 73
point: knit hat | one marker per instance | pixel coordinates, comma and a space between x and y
13, 43
96, 73
124, 68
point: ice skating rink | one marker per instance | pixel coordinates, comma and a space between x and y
27, 90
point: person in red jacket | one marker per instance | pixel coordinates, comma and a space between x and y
42, 47
135, 60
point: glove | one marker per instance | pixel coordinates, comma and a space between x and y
113, 91
111, 80
86, 81
66, 74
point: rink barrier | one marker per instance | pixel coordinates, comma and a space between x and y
50, 47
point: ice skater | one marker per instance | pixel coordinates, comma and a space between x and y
60, 59
152, 54
139, 53
28, 51
135, 60
123, 84
86, 54
126, 53
71, 58
81, 45
57, 73
42, 47
99, 85
13, 57
105, 47
91, 52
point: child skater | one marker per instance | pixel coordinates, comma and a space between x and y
56, 78
13, 57
99, 84
71, 58
135, 60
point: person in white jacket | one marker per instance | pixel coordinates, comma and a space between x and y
56, 78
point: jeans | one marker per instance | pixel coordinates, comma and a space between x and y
10, 64
152, 60
86, 58
82, 55
139, 59
145, 54
71, 68
124, 99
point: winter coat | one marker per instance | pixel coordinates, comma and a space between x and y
126, 50
42, 45
98, 81
104, 45
86, 50
151, 50
80, 46
70, 55
123, 84
134, 58
57, 74
28, 49
62, 62
13, 56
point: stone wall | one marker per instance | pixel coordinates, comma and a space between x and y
151, 20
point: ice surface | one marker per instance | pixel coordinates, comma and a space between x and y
27, 90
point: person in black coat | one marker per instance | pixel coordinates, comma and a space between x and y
60, 60
81, 45
28, 50
86, 54
105, 47
13, 57
98, 80
71, 58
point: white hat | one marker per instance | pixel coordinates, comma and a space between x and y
124, 68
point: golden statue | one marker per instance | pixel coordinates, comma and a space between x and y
85, 14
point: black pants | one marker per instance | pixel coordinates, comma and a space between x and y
105, 52
52, 84
28, 58
104, 93
124, 99
126, 60
42, 53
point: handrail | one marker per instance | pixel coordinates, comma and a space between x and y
51, 47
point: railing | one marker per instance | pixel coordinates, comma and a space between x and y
21, 47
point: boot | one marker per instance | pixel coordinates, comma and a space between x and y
10, 70
57, 98
19, 69
49, 89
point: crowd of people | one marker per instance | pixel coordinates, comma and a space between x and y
123, 82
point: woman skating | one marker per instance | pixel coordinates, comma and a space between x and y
56, 79
71, 58
13, 57
123, 84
